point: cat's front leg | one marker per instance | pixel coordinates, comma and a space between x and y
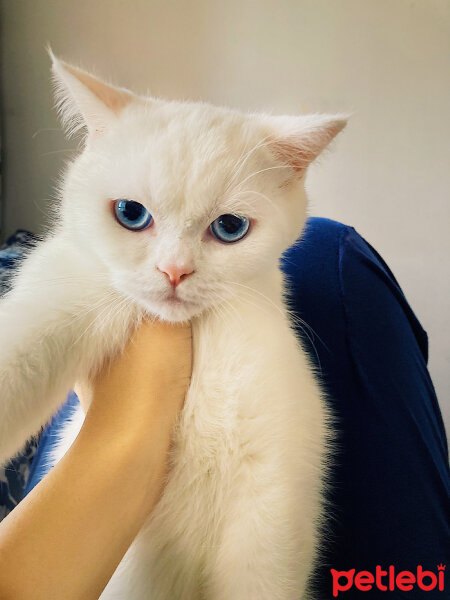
57, 321
264, 552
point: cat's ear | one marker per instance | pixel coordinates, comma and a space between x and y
84, 101
298, 141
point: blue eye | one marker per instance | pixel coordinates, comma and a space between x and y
132, 215
230, 228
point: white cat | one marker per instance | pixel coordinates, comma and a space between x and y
182, 210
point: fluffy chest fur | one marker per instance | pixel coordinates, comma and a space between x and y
246, 465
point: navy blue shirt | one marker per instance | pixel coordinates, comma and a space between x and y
390, 484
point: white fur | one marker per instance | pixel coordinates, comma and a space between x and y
239, 516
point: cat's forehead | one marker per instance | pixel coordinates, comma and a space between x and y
195, 137
186, 156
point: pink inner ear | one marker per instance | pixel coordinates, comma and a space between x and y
300, 149
292, 153
115, 99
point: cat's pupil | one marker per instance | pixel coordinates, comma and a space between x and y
131, 210
230, 223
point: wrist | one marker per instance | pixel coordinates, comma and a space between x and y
142, 439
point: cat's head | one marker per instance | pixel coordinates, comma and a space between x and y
183, 203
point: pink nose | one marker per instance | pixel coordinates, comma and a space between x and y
176, 274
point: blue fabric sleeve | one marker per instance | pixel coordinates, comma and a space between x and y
14, 474
41, 462
390, 487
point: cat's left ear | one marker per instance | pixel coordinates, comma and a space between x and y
297, 141
84, 101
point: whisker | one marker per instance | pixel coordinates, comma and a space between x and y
64, 150
298, 320
226, 305
263, 171
45, 129
259, 294
109, 305
65, 279
269, 200
243, 159
218, 311
229, 305
84, 311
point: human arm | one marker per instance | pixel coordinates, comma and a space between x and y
69, 534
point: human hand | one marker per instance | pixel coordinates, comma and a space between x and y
149, 379
81, 518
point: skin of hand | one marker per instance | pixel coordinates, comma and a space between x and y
66, 538
157, 357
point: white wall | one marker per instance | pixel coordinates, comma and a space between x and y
388, 61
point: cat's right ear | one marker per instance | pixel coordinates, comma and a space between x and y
84, 101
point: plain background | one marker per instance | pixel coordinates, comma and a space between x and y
388, 62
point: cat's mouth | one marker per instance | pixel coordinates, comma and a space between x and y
176, 309
174, 299
171, 306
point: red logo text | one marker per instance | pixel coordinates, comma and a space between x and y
388, 580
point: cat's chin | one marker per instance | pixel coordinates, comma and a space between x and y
174, 312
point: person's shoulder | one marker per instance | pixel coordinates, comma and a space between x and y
324, 226
329, 235
337, 278
313, 294
353, 254
323, 232
316, 256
